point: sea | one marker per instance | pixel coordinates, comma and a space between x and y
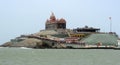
27, 56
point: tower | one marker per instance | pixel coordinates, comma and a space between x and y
52, 17
51, 23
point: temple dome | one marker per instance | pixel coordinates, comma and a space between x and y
62, 20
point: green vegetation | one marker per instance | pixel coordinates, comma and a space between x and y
105, 39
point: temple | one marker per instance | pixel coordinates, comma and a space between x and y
52, 23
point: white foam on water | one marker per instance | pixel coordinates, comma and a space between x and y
1, 47
24, 48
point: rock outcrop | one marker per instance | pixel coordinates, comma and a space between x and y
29, 42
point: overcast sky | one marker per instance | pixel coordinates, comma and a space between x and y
19, 17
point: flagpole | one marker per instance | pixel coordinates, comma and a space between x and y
110, 24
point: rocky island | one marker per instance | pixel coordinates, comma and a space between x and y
56, 35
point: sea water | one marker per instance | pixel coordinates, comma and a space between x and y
22, 56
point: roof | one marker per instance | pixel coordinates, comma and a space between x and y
62, 21
88, 28
105, 39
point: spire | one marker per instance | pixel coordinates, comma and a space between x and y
52, 17
52, 14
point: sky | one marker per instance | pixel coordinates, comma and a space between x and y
21, 17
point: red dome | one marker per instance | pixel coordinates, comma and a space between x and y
62, 20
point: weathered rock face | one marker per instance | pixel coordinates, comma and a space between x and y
33, 40
7, 44
30, 42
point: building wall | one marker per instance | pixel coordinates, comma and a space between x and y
61, 25
51, 26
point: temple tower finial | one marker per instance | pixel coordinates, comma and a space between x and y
52, 17
52, 14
